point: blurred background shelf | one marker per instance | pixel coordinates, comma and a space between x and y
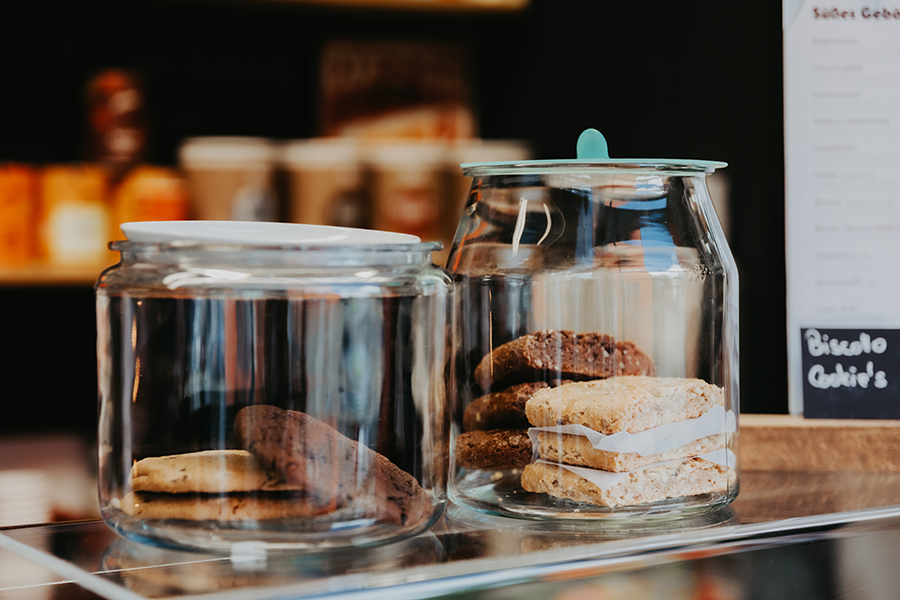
50, 275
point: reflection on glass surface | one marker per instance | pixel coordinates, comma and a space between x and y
783, 540
22, 579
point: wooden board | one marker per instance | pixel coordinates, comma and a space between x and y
787, 443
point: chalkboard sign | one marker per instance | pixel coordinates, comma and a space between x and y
851, 373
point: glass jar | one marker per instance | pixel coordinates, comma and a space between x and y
278, 390
597, 346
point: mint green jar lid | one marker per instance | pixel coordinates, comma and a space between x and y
593, 156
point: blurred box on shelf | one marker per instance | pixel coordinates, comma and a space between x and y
230, 178
18, 201
75, 220
395, 88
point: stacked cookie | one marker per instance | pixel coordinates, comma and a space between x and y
290, 465
629, 440
495, 425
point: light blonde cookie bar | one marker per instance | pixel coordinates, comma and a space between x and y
671, 480
196, 507
630, 403
578, 450
211, 471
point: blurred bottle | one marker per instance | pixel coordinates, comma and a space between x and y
18, 200
117, 136
74, 222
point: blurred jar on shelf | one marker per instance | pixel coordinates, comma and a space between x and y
74, 220
18, 201
230, 178
324, 182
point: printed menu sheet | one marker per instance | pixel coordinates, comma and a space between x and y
842, 176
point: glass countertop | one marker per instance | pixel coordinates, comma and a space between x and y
806, 517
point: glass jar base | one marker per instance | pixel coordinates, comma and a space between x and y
293, 535
499, 493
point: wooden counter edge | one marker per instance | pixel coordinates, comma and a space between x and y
790, 443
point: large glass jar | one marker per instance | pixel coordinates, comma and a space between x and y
290, 393
597, 347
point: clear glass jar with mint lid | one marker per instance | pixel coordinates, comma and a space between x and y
276, 384
597, 345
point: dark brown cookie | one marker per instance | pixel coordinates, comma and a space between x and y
503, 410
334, 470
555, 354
494, 449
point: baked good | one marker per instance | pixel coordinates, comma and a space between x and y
225, 507
223, 485
578, 450
631, 403
333, 470
210, 471
668, 480
557, 354
494, 449
652, 452
502, 410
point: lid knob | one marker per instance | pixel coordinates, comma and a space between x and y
592, 146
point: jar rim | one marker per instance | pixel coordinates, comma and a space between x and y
566, 166
176, 246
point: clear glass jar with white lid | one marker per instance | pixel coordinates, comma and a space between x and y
597, 347
279, 384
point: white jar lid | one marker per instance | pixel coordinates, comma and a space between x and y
258, 233
226, 153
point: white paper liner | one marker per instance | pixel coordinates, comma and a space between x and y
654, 440
605, 480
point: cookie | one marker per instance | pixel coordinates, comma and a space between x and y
633, 403
555, 354
211, 471
231, 507
333, 470
501, 410
670, 480
494, 449
578, 450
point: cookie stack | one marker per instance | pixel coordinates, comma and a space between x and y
495, 425
290, 465
625, 441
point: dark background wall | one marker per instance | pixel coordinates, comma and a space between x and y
661, 79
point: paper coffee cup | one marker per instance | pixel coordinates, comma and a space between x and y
324, 182
230, 178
